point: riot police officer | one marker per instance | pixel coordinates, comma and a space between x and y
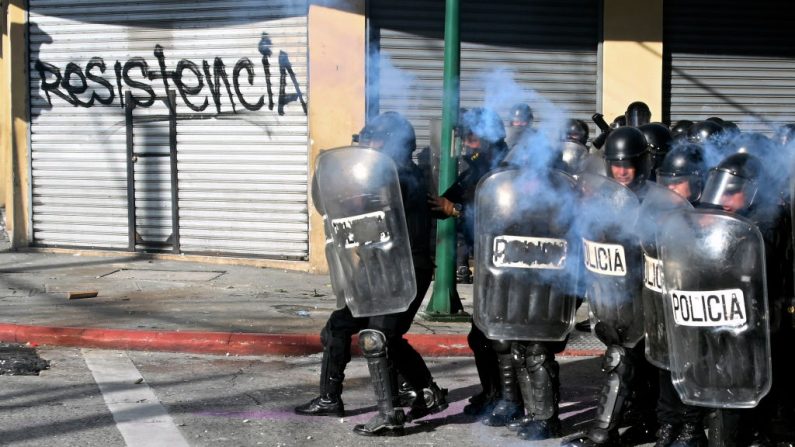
521, 122
682, 171
628, 158
614, 290
679, 130
703, 132
393, 135
785, 134
484, 148
575, 130
659, 139
731, 190
637, 114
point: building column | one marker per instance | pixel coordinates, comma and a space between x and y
337, 54
14, 122
632, 56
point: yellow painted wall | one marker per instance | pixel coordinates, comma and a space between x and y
14, 130
337, 92
4, 105
632, 56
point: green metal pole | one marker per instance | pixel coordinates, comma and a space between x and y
444, 280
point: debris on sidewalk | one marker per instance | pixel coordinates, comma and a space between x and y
71, 294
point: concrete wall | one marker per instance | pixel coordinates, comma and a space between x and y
337, 58
632, 56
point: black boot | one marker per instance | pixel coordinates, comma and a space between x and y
595, 438
488, 373
480, 404
666, 435
643, 432
325, 405
388, 421
690, 435
383, 424
405, 394
432, 401
538, 375
539, 430
509, 407
329, 403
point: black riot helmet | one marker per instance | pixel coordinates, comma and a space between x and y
619, 121
715, 119
637, 114
482, 131
679, 130
683, 170
570, 157
703, 132
521, 115
658, 137
627, 157
732, 185
785, 134
392, 134
575, 130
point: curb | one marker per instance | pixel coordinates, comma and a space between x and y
232, 343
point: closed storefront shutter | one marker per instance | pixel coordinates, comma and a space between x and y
734, 60
546, 46
237, 181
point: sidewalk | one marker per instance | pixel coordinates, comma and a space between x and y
189, 307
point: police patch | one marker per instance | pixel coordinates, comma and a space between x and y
529, 252
709, 308
364, 229
605, 259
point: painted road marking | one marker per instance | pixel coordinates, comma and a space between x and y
139, 416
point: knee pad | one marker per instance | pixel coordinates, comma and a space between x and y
372, 343
617, 360
501, 346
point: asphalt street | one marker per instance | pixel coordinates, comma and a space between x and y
105, 398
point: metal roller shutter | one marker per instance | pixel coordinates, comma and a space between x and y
239, 72
543, 44
734, 60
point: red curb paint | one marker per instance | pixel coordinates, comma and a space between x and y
235, 343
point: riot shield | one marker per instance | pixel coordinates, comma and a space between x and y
715, 295
612, 259
658, 203
526, 256
360, 195
338, 280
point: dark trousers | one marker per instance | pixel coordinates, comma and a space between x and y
671, 409
342, 325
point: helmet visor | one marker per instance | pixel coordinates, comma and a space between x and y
688, 186
728, 191
637, 117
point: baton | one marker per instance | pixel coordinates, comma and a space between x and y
599, 119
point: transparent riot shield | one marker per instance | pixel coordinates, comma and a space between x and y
338, 281
612, 258
716, 308
658, 203
360, 193
526, 257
